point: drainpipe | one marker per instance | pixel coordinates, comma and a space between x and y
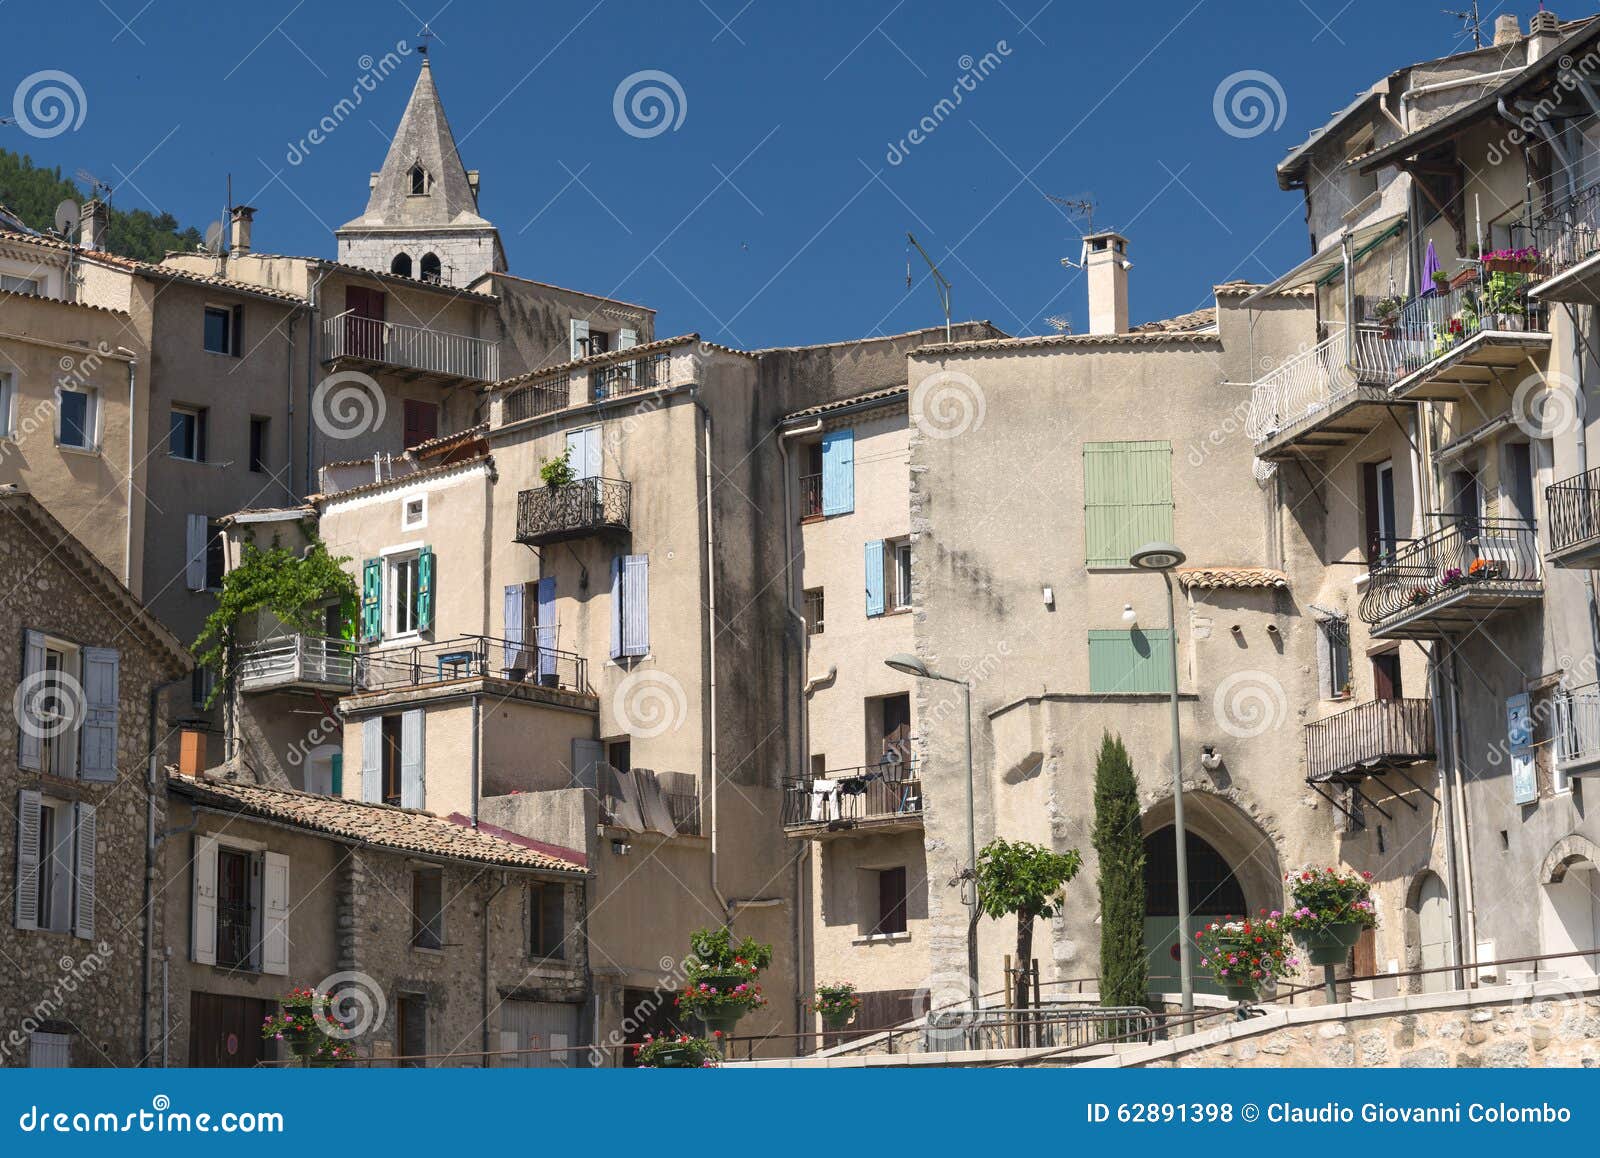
487, 904
311, 376
477, 771
711, 657
127, 547
288, 398
151, 782
1446, 755
1463, 820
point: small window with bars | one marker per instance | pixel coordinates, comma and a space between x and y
814, 611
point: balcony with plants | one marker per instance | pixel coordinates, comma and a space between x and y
1567, 236
873, 798
568, 507
297, 662
1453, 579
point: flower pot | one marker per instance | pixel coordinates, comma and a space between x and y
1241, 991
838, 1019
721, 1019
676, 1057
1506, 265
722, 982
1330, 944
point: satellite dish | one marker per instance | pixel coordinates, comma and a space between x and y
67, 217
214, 237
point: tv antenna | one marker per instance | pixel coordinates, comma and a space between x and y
1472, 22
1083, 207
940, 281
99, 189
1060, 323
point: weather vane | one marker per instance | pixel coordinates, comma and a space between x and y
423, 38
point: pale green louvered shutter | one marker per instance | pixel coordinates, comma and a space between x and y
1127, 499
1130, 662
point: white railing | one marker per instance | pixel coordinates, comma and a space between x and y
417, 347
1577, 727
1321, 377
297, 659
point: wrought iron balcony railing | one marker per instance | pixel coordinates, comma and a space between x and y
635, 376
845, 798
310, 661
411, 347
1573, 507
549, 514
1312, 386
541, 396
1567, 233
1370, 737
470, 656
1461, 573
1577, 727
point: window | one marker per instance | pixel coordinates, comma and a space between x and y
397, 593
421, 421
404, 582
1386, 676
8, 405
414, 513
1136, 662
55, 864
1127, 499
889, 727
811, 483
547, 920
814, 609
427, 908
207, 560
59, 739
619, 754
201, 681
630, 605
1378, 510
239, 910
236, 909
891, 902
186, 434
430, 268
401, 265
1333, 657
393, 752
18, 285
68, 704
1518, 485
421, 181
259, 444
897, 580
411, 1029
838, 469
77, 415
585, 452
222, 329
392, 759
216, 556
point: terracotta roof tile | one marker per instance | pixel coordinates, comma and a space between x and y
1206, 577
885, 395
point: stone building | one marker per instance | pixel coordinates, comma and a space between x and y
83, 804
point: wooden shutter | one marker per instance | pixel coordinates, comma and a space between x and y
275, 914
411, 761
616, 606
1371, 530
515, 594
98, 739
195, 568
636, 605
627, 339
28, 854
427, 582
545, 634
585, 452
371, 600
587, 755
336, 774
30, 750
580, 338
203, 904
838, 472
891, 901
873, 563
372, 760
1127, 499
83, 855
1136, 662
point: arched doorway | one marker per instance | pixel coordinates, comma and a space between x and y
1569, 906
1215, 892
1431, 905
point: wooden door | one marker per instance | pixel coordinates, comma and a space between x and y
1433, 925
364, 310
225, 1031
897, 728
1386, 675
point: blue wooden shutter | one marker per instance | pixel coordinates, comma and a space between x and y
616, 606
371, 600
514, 629
411, 762
1127, 499
83, 853
545, 629
1130, 662
874, 568
426, 583
838, 472
30, 749
372, 760
98, 739
636, 605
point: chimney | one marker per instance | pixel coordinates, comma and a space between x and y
239, 237
191, 752
1105, 260
94, 225
1544, 33
1506, 29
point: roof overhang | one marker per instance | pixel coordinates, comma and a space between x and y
1295, 163
1330, 258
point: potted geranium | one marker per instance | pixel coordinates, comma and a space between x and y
836, 1004
723, 982
1452, 577
1244, 955
301, 1024
675, 1052
1330, 908
1521, 260
1387, 314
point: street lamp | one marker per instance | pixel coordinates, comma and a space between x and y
912, 666
1164, 557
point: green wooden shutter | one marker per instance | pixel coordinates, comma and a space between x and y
371, 600
1127, 499
425, 589
1130, 662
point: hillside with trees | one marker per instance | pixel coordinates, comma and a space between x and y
33, 193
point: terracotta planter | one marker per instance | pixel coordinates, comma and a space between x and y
1506, 265
1329, 944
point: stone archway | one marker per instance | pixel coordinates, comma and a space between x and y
1569, 905
1427, 932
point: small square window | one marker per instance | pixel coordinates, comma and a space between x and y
76, 418
414, 513
18, 285
427, 908
186, 433
814, 609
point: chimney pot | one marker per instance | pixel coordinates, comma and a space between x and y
1506, 29
240, 221
191, 752
1544, 33
1106, 264
94, 224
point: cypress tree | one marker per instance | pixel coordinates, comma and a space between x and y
1119, 842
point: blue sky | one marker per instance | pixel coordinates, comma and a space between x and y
772, 213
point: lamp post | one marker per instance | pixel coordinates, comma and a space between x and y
912, 666
1164, 557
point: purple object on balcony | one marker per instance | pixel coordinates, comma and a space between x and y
1430, 267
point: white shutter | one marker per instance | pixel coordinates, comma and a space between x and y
636, 605
411, 729
29, 747
627, 338
372, 760
203, 904
580, 336
83, 873
28, 808
275, 914
98, 742
587, 755
195, 572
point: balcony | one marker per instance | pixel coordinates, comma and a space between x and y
544, 395
1577, 729
297, 662
1568, 240
415, 351
1456, 343
877, 798
1453, 579
589, 506
470, 657
1331, 395
1370, 739
1574, 513
633, 376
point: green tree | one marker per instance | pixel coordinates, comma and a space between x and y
1119, 844
32, 193
1025, 880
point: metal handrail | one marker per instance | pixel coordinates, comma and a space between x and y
297, 658
1467, 554
576, 508
1369, 734
471, 657
1573, 505
891, 789
543, 395
634, 376
418, 347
